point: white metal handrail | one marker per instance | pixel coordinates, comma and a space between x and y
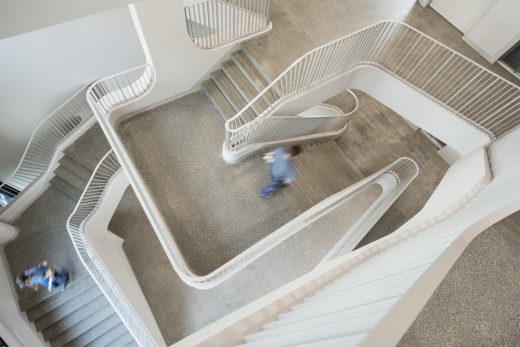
213, 23
404, 173
120, 89
254, 252
52, 131
467, 89
272, 130
106, 169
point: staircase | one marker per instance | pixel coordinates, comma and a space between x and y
239, 81
79, 162
80, 315
323, 169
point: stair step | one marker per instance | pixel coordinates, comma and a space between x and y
108, 338
56, 322
218, 99
75, 167
89, 148
232, 95
66, 188
253, 73
122, 340
243, 86
70, 177
334, 330
66, 298
27, 302
88, 329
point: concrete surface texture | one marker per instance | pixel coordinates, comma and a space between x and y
478, 302
181, 310
212, 208
302, 25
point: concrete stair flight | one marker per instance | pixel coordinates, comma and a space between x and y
80, 315
323, 169
239, 81
79, 162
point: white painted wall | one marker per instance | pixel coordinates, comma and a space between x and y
42, 69
180, 66
497, 31
403, 99
21, 16
462, 13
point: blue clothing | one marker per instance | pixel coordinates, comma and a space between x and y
282, 168
281, 171
38, 278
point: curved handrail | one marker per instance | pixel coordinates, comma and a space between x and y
120, 89
50, 133
87, 205
272, 130
214, 23
469, 90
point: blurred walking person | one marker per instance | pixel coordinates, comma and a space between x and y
43, 275
281, 169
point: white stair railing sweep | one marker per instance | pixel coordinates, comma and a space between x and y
41, 149
404, 173
107, 168
467, 89
120, 89
214, 23
272, 130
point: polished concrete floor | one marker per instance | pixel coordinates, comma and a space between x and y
302, 25
376, 136
478, 302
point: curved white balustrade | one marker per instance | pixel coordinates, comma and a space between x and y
107, 168
319, 121
214, 23
41, 151
468, 90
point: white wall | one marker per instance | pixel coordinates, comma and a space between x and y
497, 31
462, 13
43, 68
180, 65
21, 16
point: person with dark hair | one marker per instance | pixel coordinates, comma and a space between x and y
43, 275
281, 169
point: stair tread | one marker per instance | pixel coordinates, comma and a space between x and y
89, 148
66, 188
71, 178
218, 99
66, 298
108, 338
35, 298
243, 85
54, 323
232, 95
77, 168
257, 78
122, 340
88, 329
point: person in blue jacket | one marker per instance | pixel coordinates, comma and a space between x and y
43, 275
281, 169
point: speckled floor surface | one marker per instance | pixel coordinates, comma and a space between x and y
478, 302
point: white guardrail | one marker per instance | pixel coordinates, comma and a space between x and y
107, 168
214, 23
467, 89
42, 147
